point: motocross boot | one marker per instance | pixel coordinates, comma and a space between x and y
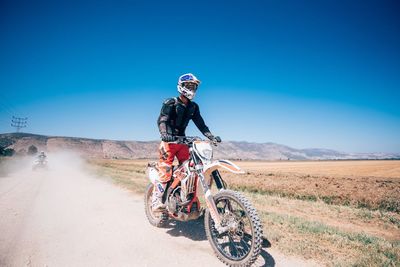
156, 200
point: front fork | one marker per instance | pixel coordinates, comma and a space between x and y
211, 203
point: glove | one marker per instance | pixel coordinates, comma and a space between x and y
167, 138
215, 139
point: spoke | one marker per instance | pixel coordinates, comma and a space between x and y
246, 235
232, 244
226, 241
225, 204
222, 235
245, 244
221, 209
229, 204
240, 213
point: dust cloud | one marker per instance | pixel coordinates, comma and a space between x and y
61, 163
64, 216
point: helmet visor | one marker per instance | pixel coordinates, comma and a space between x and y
191, 86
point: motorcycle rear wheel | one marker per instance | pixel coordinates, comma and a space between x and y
156, 219
242, 243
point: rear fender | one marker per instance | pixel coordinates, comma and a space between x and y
152, 172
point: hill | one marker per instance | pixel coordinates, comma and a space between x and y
102, 148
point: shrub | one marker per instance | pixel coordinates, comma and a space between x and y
32, 150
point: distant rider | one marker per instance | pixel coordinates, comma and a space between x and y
174, 117
42, 157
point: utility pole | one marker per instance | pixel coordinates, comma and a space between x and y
18, 123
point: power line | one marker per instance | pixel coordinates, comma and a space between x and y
7, 110
3, 122
7, 106
19, 123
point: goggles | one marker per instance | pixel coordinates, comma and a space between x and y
190, 85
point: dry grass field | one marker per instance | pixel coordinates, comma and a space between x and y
339, 213
370, 184
361, 168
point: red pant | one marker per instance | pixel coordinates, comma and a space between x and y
168, 151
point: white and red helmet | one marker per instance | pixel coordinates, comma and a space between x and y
187, 85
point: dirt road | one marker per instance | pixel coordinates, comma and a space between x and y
65, 217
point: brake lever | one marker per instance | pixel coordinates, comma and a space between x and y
214, 143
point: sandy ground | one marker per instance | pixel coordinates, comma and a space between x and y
65, 217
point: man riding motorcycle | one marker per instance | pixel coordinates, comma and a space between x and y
174, 117
41, 158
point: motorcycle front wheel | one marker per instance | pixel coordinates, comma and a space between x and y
241, 244
156, 219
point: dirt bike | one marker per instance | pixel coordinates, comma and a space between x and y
232, 225
40, 165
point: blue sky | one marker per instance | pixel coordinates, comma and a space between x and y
301, 73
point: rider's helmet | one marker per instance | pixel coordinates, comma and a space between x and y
187, 85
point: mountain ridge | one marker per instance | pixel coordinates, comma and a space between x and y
126, 149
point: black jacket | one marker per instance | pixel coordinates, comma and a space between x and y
175, 116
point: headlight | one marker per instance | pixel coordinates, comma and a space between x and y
207, 154
203, 150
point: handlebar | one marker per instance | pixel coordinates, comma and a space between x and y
188, 140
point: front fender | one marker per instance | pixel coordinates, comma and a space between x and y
224, 164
